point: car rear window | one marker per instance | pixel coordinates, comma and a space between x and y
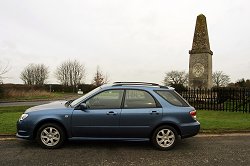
172, 97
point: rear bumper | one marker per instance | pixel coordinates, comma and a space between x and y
190, 129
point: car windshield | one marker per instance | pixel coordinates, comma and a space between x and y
77, 101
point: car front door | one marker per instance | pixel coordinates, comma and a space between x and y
139, 114
100, 118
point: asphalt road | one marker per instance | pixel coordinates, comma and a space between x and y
219, 150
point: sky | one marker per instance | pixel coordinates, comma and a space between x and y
131, 40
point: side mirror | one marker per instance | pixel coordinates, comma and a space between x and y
83, 106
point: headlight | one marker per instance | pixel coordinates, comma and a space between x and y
23, 116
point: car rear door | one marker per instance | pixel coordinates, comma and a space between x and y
139, 114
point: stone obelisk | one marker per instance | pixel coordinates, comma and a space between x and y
200, 60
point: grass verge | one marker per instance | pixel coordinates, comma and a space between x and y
211, 121
9, 117
220, 121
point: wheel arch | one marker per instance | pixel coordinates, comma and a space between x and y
42, 122
175, 126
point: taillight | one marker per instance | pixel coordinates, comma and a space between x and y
193, 114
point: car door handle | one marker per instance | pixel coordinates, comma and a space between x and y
154, 112
111, 113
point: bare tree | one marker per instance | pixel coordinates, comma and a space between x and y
70, 73
35, 74
3, 70
220, 79
175, 77
41, 73
99, 78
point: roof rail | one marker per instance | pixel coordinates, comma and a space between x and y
135, 83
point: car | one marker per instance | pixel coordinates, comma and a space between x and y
131, 111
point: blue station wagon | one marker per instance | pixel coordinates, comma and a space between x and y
121, 111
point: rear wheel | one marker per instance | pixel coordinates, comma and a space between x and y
164, 137
50, 136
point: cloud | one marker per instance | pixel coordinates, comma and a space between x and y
134, 40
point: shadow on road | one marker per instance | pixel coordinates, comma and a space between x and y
102, 145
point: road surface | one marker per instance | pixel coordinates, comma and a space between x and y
205, 150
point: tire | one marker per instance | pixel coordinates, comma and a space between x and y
50, 136
164, 137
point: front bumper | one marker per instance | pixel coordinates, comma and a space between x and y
23, 130
23, 136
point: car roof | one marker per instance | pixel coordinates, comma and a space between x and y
136, 85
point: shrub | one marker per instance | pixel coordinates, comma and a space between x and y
23, 93
19, 88
1, 91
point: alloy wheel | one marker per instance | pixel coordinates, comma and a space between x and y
50, 136
165, 138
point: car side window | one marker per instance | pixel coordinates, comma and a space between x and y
172, 97
106, 100
138, 99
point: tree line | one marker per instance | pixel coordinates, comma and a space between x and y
72, 73
68, 73
179, 79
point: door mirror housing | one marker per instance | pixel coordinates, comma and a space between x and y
83, 106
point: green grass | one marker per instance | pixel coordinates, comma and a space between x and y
211, 121
9, 117
219, 121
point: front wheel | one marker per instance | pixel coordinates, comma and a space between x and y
164, 137
50, 136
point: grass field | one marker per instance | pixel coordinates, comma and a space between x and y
9, 117
211, 121
219, 121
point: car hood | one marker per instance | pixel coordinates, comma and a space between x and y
53, 105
